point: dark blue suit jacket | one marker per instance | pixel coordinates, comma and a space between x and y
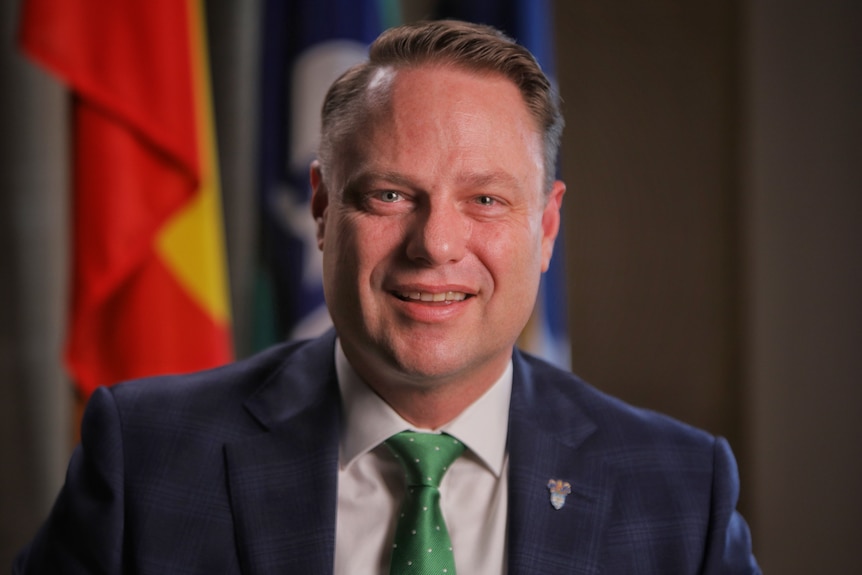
234, 471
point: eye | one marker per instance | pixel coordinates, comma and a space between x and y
389, 196
486, 201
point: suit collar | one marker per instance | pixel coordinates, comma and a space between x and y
549, 439
284, 529
283, 481
289, 391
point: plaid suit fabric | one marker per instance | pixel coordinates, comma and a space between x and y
234, 471
649, 494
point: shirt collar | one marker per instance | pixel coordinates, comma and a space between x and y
368, 420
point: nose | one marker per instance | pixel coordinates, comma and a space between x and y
439, 235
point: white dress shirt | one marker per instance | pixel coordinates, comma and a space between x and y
371, 482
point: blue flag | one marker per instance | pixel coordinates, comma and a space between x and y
530, 23
307, 44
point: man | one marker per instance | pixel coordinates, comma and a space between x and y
436, 212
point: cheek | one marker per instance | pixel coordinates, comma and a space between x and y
521, 240
361, 245
511, 254
339, 251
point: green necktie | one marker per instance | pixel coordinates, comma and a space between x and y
422, 544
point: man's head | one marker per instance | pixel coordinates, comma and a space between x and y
434, 216
473, 47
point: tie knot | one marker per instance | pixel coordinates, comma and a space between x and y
425, 457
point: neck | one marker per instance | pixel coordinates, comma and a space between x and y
430, 408
425, 400
429, 402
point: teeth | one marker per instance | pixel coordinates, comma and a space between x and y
434, 297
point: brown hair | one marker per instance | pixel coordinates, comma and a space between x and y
474, 47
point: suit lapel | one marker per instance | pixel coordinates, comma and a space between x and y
549, 439
283, 482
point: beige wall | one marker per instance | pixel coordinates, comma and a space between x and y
714, 241
649, 91
35, 397
804, 207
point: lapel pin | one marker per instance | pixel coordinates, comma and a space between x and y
559, 489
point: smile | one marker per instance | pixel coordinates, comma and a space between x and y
449, 296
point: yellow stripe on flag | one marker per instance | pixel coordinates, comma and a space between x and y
192, 243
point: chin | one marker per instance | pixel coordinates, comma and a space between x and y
448, 361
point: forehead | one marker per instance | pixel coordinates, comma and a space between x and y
440, 87
437, 115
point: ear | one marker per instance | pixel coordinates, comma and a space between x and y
319, 201
551, 222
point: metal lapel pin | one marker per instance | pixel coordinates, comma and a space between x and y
559, 489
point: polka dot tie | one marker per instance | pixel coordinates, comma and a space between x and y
422, 545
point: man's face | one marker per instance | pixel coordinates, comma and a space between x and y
435, 235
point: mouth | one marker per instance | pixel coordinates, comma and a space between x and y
447, 297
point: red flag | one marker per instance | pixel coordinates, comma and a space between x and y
149, 284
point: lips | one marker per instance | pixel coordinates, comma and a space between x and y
447, 296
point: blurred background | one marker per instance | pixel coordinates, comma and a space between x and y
711, 264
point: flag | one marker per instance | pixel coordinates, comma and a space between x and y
149, 284
307, 44
530, 23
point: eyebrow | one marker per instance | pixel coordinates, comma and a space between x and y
363, 177
491, 180
480, 180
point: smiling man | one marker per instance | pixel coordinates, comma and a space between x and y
435, 229
414, 437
